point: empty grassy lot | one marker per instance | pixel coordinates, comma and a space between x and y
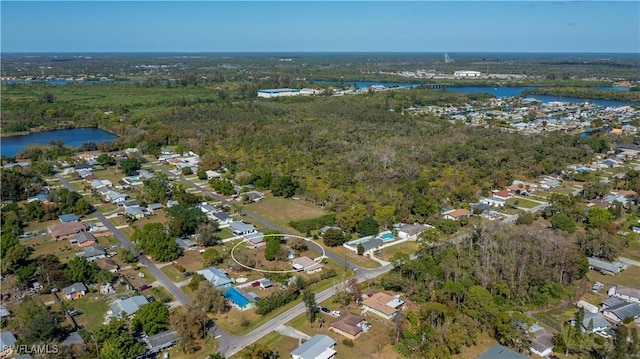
629, 277
283, 210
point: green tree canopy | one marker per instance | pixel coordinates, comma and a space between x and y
152, 318
156, 241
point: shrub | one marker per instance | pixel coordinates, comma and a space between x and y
179, 268
348, 342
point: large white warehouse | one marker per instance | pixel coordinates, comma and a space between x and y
465, 73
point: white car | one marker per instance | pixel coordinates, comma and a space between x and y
336, 313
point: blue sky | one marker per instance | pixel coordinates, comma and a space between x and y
358, 26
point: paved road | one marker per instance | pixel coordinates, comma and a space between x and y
629, 261
299, 309
153, 269
312, 245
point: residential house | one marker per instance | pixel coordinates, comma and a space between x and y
107, 289
595, 321
306, 264
136, 212
606, 267
222, 218
4, 313
130, 203
455, 214
265, 283
349, 325
69, 217
217, 277
186, 244
551, 183
40, 197
213, 175
153, 207
94, 252
171, 203
503, 194
255, 240
167, 151
620, 312
324, 229
500, 352
410, 231
66, 230
206, 208
240, 228
600, 204
238, 299
75, 291
88, 155
541, 341
493, 201
116, 197
7, 343
625, 293
611, 302
383, 304
83, 239
107, 264
254, 196
125, 307
159, 342
319, 346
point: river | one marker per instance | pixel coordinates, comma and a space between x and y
11, 145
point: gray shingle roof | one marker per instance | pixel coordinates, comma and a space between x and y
127, 306
215, 276
74, 288
500, 352
94, 251
313, 347
7, 339
625, 310
613, 267
598, 320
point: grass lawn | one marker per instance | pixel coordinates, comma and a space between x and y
93, 311
207, 348
283, 345
563, 190
484, 342
368, 345
283, 210
172, 273
225, 233
633, 251
521, 202
351, 256
405, 247
629, 278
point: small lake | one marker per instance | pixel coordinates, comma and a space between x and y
11, 145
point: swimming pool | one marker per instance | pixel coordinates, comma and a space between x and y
388, 237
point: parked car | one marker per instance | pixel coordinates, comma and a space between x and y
74, 313
255, 284
143, 287
151, 298
325, 310
597, 286
187, 274
336, 313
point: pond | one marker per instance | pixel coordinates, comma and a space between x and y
11, 145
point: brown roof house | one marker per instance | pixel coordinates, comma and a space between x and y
349, 325
107, 264
383, 304
83, 239
455, 214
66, 230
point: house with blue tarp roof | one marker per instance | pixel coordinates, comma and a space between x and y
238, 299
